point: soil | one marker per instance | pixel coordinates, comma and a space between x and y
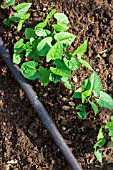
25, 143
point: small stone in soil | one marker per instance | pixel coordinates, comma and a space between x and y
51, 104
64, 99
45, 94
65, 107
75, 79
63, 128
70, 92
71, 103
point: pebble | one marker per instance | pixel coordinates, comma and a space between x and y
63, 128
65, 108
51, 104
45, 94
97, 70
1, 93
12, 162
75, 79
71, 103
44, 9
70, 92
4, 123
64, 99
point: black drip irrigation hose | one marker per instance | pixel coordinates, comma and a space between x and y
39, 108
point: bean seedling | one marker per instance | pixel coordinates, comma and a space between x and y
19, 16
101, 138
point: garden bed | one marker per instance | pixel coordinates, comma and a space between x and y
24, 139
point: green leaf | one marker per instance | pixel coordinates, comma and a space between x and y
86, 85
8, 22
56, 52
72, 64
29, 70
61, 18
46, 33
42, 32
22, 20
50, 15
100, 143
94, 107
22, 9
105, 100
33, 54
85, 63
98, 155
62, 22
28, 52
9, 2
44, 75
64, 79
112, 139
68, 54
81, 49
28, 49
111, 118
64, 72
18, 46
109, 126
65, 37
44, 46
100, 134
27, 46
2, 7
26, 16
110, 132
29, 32
85, 94
34, 42
96, 84
40, 25
17, 58
61, 70
13, 18
77, 95
39, 31
69, 85
60, 27
19, 26
55, 78
60, 64
82, 113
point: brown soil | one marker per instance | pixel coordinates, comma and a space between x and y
24, 140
